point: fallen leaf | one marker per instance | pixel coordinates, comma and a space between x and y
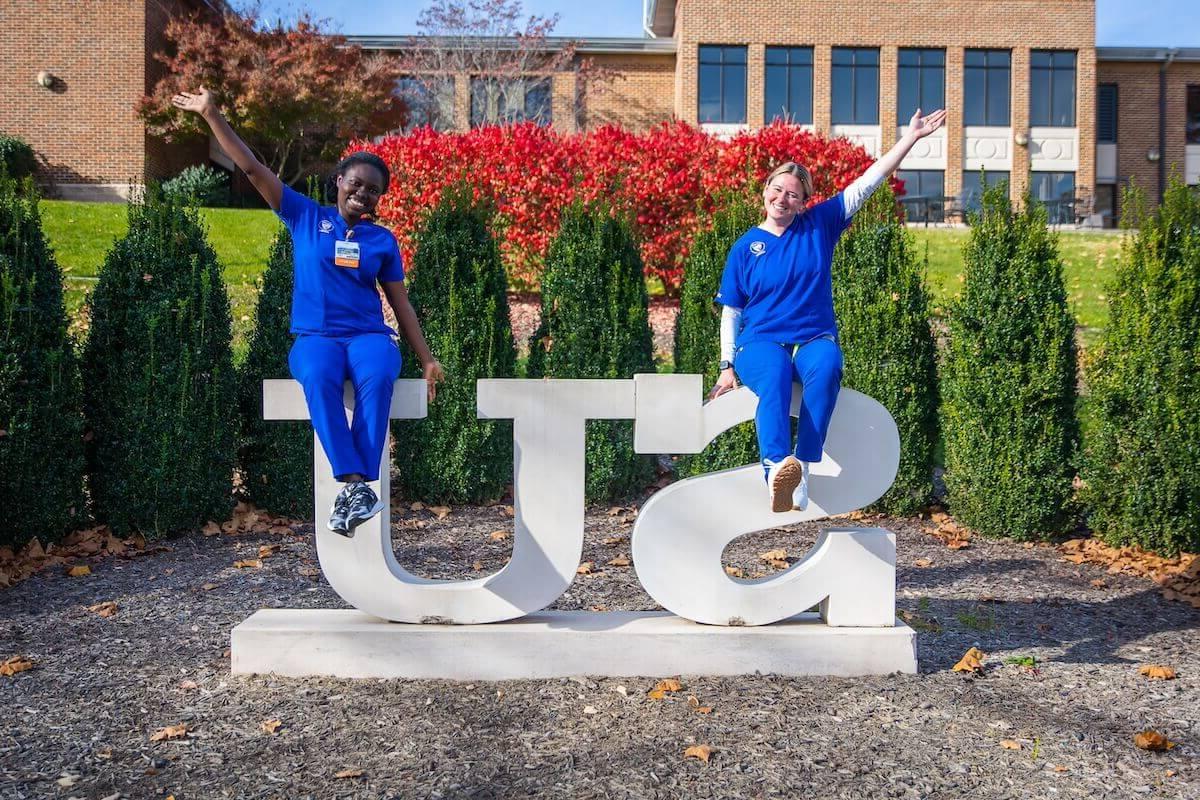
700, 751
773, 555
1010, 744
958, 544
584, 569
1152, 740
309, 572
477, 566
923, 562
972, 661
599, 607
509, 511
188, 685
735, 572
694, 702
170, 732
105, 609
1060, 768
778, 563
267, 550
211, 529
208, 587
349, 773
621, 690
589, 710
441, 512
614, 540
664, 686
620, 561
79, 571
270, 725
14, 664
498, 536
1158, 671
254, 563
1098, 583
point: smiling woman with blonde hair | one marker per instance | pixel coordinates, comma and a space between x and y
777, 322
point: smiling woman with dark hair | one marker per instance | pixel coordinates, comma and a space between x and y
341, 257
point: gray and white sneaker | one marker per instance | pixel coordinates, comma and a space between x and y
338, 512
363, 504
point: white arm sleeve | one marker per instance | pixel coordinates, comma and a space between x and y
857, 192
731, 322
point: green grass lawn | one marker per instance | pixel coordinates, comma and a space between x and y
82, 233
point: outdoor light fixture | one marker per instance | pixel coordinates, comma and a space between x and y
1021, 138
45, 79
1152, 154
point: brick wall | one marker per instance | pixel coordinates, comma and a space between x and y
640, 95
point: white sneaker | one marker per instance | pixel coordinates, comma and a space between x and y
800, 493
782, 479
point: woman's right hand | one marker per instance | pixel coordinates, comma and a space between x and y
199, 102
726, 382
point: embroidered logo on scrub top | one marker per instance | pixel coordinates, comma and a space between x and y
758, 248
325, 227
345, 254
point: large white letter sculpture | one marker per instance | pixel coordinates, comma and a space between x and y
680, 533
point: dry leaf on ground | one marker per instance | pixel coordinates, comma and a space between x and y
585, 568
210, 529
14, 664
700, 751
270, 725
1158, 671
106, 609
664, 686
267, 550
694, 702
254, 563
188, 685
79, 571
1152, 740
349, 773
498, 536
441, 512
972, 661
613, 540
620, 561
1010, 744
170, 732
773, 555
923, 562
735, 572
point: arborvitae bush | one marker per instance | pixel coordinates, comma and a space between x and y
41, 428
890, 354
1009, 379
698, 328
276, 457
158, 377
1143, 443
595, 324
458, 288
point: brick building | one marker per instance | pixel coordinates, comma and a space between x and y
1030, 97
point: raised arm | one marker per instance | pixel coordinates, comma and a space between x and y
918, 128
265, 181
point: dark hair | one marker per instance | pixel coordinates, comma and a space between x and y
360, 157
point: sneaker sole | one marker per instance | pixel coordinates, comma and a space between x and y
354, 522
787, 478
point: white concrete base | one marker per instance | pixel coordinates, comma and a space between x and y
551, 644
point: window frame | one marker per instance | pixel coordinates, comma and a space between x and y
788, 68
988, 72
854, 68
726, 115
1050, 77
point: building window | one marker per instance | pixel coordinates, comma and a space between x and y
722, 86
789, 79
922, 82
1193, 115
1057, 191
1106, 113
986, 78
427, 102
923, 189
855, 86
973, 184
1052, 88
497, 101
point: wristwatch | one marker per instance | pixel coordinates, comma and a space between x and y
724, 365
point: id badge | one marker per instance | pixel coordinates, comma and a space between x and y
345, 254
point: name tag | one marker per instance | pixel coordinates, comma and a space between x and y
345, 254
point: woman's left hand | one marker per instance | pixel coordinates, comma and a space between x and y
919, 127
434, 374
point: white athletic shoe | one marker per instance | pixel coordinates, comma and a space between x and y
800, 493
782, 479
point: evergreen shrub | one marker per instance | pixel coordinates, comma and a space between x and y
17, 158
1141, 475
200, 185
890, 354
41, 427
1009, 379
457, 286
595, 324
698, 327
158, 377
276, 458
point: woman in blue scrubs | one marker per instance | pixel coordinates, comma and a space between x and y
340, 258
777, 323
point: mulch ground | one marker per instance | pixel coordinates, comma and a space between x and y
1053, 713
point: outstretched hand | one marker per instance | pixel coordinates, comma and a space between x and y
198, 102
920, 126
434, 374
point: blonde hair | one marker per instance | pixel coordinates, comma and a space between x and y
799, 171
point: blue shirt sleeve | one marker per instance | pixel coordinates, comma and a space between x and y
392, 268
295, 209
731, 292
831, 215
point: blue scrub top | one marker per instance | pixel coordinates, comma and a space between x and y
334, 300
784, 283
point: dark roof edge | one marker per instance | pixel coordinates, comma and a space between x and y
1148, 53
598, 44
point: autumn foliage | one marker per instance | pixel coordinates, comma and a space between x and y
663, 181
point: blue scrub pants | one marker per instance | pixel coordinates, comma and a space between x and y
371, 362
769, 369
